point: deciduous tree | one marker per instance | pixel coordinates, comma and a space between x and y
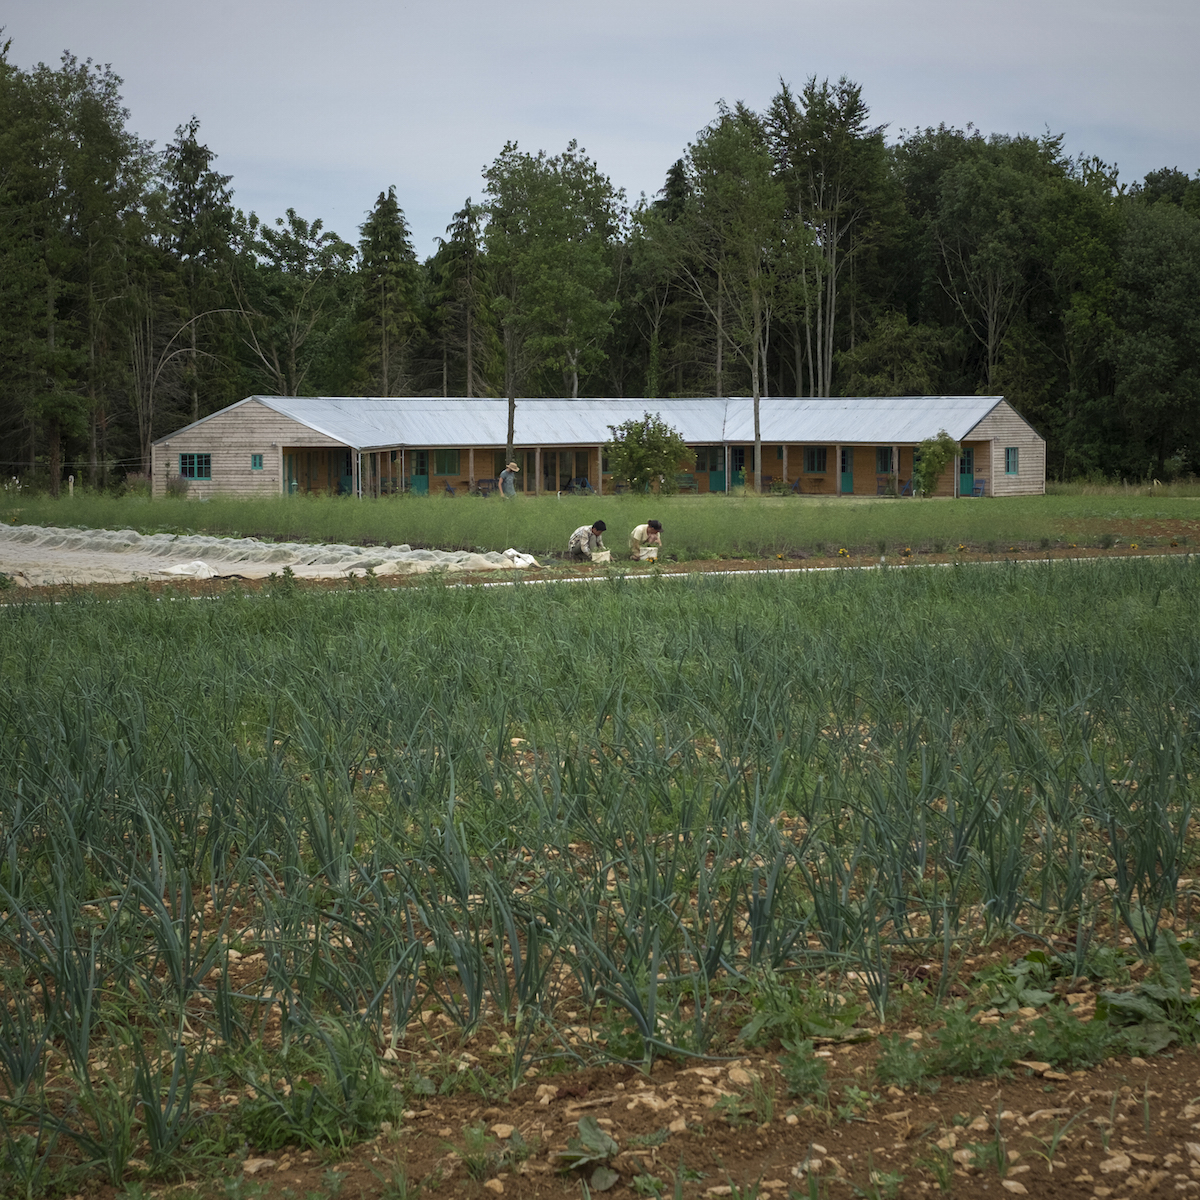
735, 241
290, 282
646, 449
1156, 348
835, 168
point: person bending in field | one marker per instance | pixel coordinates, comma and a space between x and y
649, 534
585, 541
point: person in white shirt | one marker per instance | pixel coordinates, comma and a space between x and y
649, 534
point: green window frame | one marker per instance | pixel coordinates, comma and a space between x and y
709, 458
195, 466
445, 462
883, 460
816, 460
256, 462
1012, 460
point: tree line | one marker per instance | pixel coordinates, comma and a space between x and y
793, 251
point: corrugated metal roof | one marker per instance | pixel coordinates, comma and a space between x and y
374, 424
424, 421
899, 420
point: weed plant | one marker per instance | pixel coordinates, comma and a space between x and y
280, 835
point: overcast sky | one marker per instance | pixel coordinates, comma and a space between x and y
321, 106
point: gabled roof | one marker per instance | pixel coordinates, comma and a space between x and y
376, 424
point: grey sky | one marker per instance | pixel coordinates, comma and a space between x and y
321, 106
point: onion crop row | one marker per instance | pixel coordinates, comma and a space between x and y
333, 827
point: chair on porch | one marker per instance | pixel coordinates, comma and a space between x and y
485, 487
980, 488
579, 485
906, 487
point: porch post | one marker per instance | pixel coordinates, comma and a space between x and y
837, 470
471, 469
599, 470
896, 469
783, 450
537, 472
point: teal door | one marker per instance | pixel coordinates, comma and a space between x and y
846, 467
966, 472
711, 459
420, 473
737, 463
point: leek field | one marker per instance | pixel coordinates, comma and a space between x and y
275, 866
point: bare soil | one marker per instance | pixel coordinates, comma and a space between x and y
1130, 1127
669, 1122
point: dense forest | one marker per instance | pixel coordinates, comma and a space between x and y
794, 251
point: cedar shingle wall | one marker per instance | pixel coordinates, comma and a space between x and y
231, 438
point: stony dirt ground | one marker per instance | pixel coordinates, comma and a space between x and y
1132, 1129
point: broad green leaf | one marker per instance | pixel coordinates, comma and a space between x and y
603, 1178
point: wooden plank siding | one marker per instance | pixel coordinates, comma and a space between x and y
232, 437
1004, 427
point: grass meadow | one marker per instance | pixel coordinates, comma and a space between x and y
310, 848
695, 526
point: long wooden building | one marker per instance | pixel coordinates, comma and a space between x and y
844, 446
